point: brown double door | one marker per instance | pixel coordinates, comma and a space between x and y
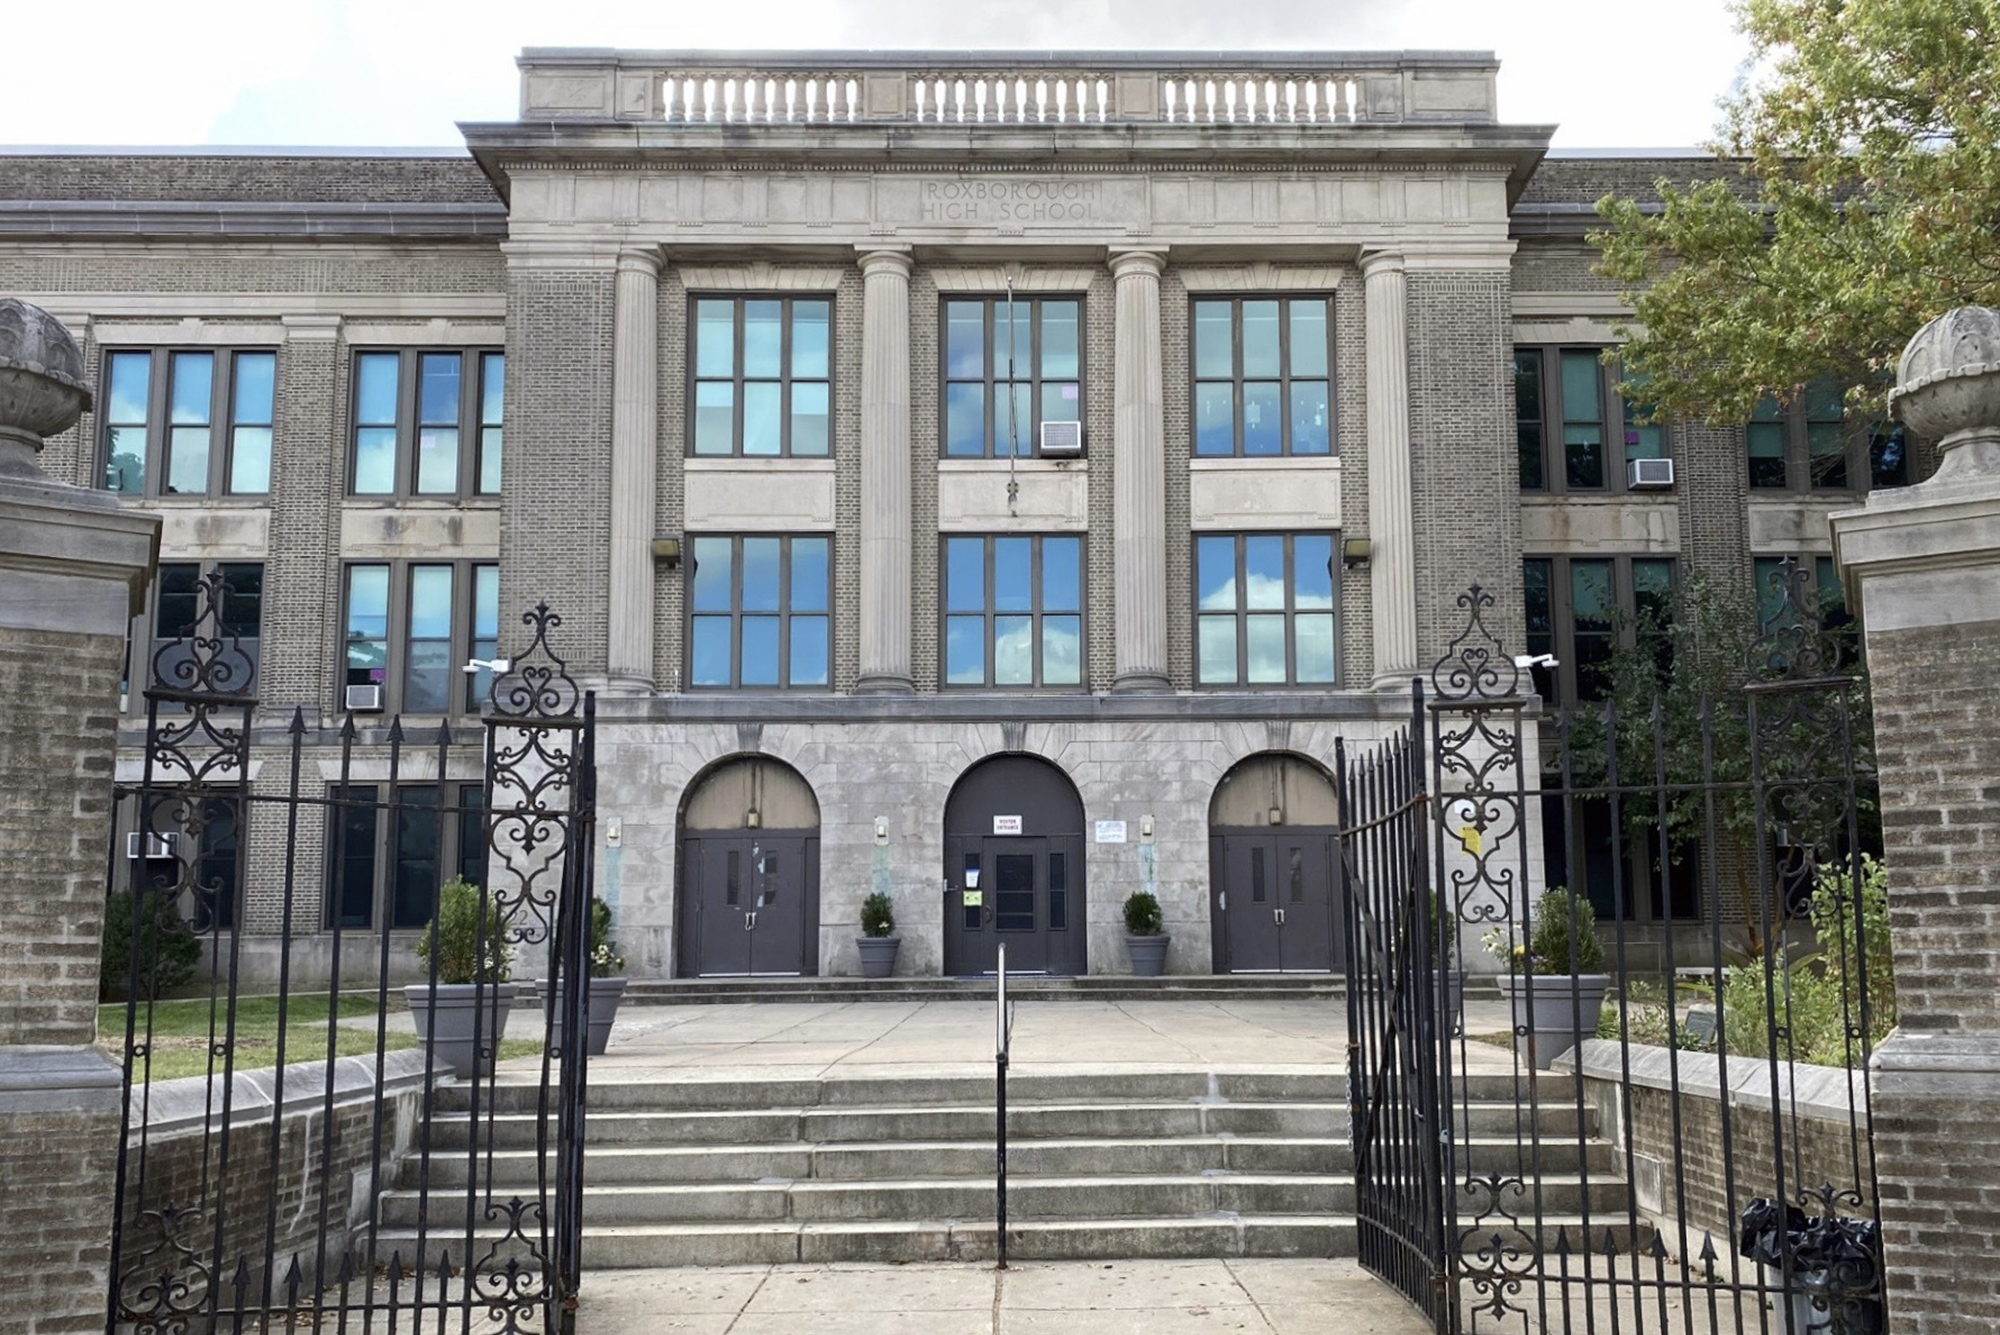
1275, 901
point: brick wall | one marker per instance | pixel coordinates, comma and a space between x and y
453, 179
52, 1238
925, 449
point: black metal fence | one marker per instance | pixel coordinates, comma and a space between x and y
312, 1138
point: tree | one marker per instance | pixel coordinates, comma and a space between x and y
1868, 202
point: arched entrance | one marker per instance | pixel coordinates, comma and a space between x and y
749, 871
1013, 869
1274, 900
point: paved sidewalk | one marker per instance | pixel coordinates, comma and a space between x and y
1256, 1297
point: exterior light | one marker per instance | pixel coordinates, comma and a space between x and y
667, 551
1356, 551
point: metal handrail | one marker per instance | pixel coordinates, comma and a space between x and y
1003, 1037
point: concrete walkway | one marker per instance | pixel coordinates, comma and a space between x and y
1040, 1298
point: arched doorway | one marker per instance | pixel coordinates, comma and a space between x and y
1013, 869
749, 871
1274, 884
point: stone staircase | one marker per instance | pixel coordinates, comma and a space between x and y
1025, 987
1119, 1165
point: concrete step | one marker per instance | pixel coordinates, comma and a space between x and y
1090, 987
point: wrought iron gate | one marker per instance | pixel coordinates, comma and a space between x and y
292, 1155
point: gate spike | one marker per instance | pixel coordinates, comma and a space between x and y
395, 1268
444, 734
293, 1278
346, 1268
242, 1279
348, 731
1610, 1244
1562, 1241
1659, 1251
396, 730
444, 1269
298, 728
1708, 1247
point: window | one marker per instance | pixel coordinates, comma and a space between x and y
427, 424
1578, 609
390, 849
1037, 350
1566, 401
176, 617
1013, 611
762, 376
1264, 609
1262, 381
411, 627
758, 612
188, 422
1812, 445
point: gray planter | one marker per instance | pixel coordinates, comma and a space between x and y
1149, 955
1451, 999
447, 1015
605, 994
878, 955
1553, 1013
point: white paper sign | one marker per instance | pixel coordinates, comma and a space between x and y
972, 878
1111, 832
1006, 825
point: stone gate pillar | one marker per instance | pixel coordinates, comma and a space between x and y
73, 567
1923, 566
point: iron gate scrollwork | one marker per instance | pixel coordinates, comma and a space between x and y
292, 1153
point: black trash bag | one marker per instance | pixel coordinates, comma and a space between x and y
1844, 1274
1771, 1231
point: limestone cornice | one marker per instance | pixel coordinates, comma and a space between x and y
295, 310
1940, 532
760, 276
1260, 276
1029, 167
1027, 277
565, 252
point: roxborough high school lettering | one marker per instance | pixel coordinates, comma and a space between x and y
1009, 201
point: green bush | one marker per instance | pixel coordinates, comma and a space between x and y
1564, 939
1142, 914
169, 950
466, 921
878, 916
605, 961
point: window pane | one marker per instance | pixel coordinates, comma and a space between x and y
437, 460
1013, 574
367, 624
1062, 586
125, 462
708, 651
1313, 636
242, 600
809, 574
1062, 646
1013, 651
1218, 649
1535, 586
193, 384
760, 651
131, 383
1312, 571
1652, 590
427, 680
1887, 455
1213, 356
485, 632
1643, 441
1020, 347
1311, 419
176, 599
965, 340
472, 840
1592, 605
375, 460
715, 338
1826, 453
1766, 444
250, 460
1260, 338
1215, 417
438, 388
416, 871
1061, 401
760, 574
810, 419
713, 586
1528, 416
965, 650
1266, 645
493, 387
187, 460
1581, 401
1059, 340
763, 338
965, 574
714, 417
1020, 426
1583, 455
812, 322
1264, 570
1308, 338
430, 602
965, 420
1263, 424
763, 417
1215, 580
809, 651
489, 460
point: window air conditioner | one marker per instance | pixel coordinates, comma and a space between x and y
1649, 473
364, 699
156, 845
1062, 439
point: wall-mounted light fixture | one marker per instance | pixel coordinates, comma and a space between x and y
751, 820
667, 551
1355, 552
881, 829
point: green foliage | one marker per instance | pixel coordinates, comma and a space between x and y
1868, 203
168, 948
605, 961
1563, 938
1640, 1014
878, 916
1142, 914
470, 932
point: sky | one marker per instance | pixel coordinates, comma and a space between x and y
1609, 73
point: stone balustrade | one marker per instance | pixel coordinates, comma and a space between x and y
1008, 89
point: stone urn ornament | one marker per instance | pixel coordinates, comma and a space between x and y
42, 389
1948, 390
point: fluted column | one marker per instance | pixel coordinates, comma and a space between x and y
1391, 528
1139, 475
635, 353
885, 471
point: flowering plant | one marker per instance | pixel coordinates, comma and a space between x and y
1561, 938
605, 961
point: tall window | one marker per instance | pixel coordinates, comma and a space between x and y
1013, 611
177, 615
762, 373
427, 424
188, 422
1812, 445
1578, 608
758, 612
410, 627
1264, 609
390, 849
1573, 429
1039, 351
1262, 376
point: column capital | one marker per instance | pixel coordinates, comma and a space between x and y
1150, 261
1383, 261
311, 328
648, 260
884, 259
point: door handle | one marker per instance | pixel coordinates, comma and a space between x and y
1278, 916
1222, 899
749, 922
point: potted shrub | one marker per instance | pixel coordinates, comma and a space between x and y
472, 995
607, 983
1552, 978
1145, 942
878, 940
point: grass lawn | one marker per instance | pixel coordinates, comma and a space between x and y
180, 1032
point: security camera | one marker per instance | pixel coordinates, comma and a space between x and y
498, 665
1534, 660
